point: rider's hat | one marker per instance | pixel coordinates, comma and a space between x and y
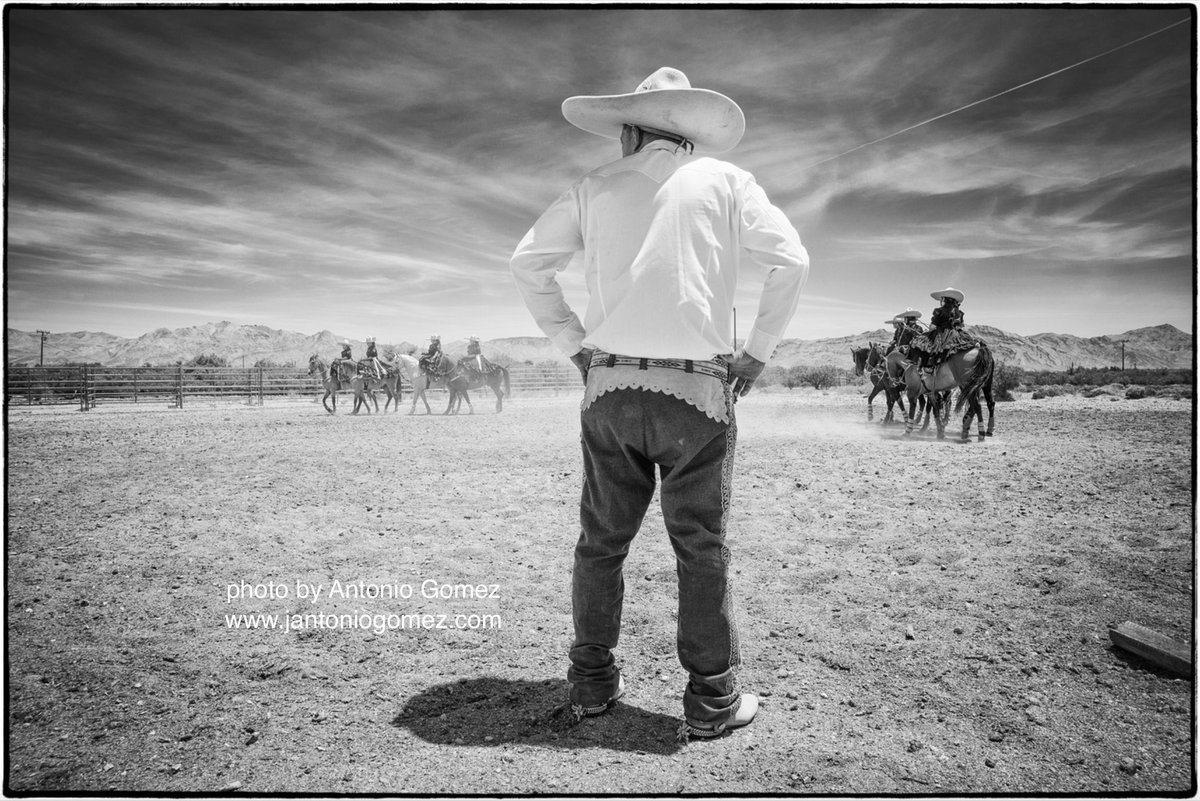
370, 339
948, 292
910, 312
895, 320
433, 337
474, 339
345, 342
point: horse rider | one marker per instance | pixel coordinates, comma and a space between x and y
373, 358
906, 329
475, 360
946, 335
347, 356
432, 355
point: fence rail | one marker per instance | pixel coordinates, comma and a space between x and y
89, 385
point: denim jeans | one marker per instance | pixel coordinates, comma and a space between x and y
625, 434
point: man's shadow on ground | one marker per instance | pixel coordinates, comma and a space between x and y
496, 711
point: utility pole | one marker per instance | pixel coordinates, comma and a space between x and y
42, 348
1122, 342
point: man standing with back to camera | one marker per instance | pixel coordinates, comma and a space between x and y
662, 234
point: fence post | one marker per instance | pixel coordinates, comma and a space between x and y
260, 386
83, 388
179, 388
29, 386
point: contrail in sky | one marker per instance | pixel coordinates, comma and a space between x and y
993, 97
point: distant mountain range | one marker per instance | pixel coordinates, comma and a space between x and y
1157, 346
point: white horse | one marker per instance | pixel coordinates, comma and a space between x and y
410, 371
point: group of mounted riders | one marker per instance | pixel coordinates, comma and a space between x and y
432, 361
932, 361
946, 335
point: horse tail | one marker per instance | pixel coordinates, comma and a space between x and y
980, 376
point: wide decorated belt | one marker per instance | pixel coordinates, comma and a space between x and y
717, 368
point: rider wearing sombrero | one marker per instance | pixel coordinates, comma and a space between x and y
346, 356
429, 359
946, 335
373, 357
906, 329
475, 360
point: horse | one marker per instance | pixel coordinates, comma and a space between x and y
970, 371
872, 359
332, 382
390, 383
458, 380
494, 378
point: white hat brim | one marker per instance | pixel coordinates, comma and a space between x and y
710, 120
947, 293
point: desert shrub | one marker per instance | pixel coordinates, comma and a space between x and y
1100, 376
208, 360
1135, 393
1007, 378
820, 377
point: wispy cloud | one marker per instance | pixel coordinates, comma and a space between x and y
373, 168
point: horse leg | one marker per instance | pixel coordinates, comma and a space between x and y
908, 413
499, 397
991, 407
977, 409
972, 409
870, 399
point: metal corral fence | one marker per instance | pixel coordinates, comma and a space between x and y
89, 385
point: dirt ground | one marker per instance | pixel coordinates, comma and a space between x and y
920, 616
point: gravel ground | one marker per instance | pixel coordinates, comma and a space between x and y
919, 616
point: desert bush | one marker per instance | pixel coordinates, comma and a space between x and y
820, 377
1007, 378
1100, 376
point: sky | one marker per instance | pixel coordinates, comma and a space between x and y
369, 169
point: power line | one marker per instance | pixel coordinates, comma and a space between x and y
998, 94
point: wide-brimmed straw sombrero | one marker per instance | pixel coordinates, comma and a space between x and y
909, 312
948, 292
666, 102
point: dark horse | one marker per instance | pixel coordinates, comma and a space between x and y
459, 379
870, 360
971, 371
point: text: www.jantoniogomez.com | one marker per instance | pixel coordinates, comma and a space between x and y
377, 622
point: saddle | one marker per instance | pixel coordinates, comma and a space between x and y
469, 364
367, 366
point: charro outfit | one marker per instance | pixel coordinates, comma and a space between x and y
946, 334
373, 356
475, 360
428, 360
347, 356
663, 234
906, 329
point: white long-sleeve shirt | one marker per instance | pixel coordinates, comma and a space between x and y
663, 236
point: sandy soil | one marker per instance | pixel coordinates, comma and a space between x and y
920, 616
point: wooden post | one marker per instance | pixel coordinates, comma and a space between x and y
179, 388
1154, 647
